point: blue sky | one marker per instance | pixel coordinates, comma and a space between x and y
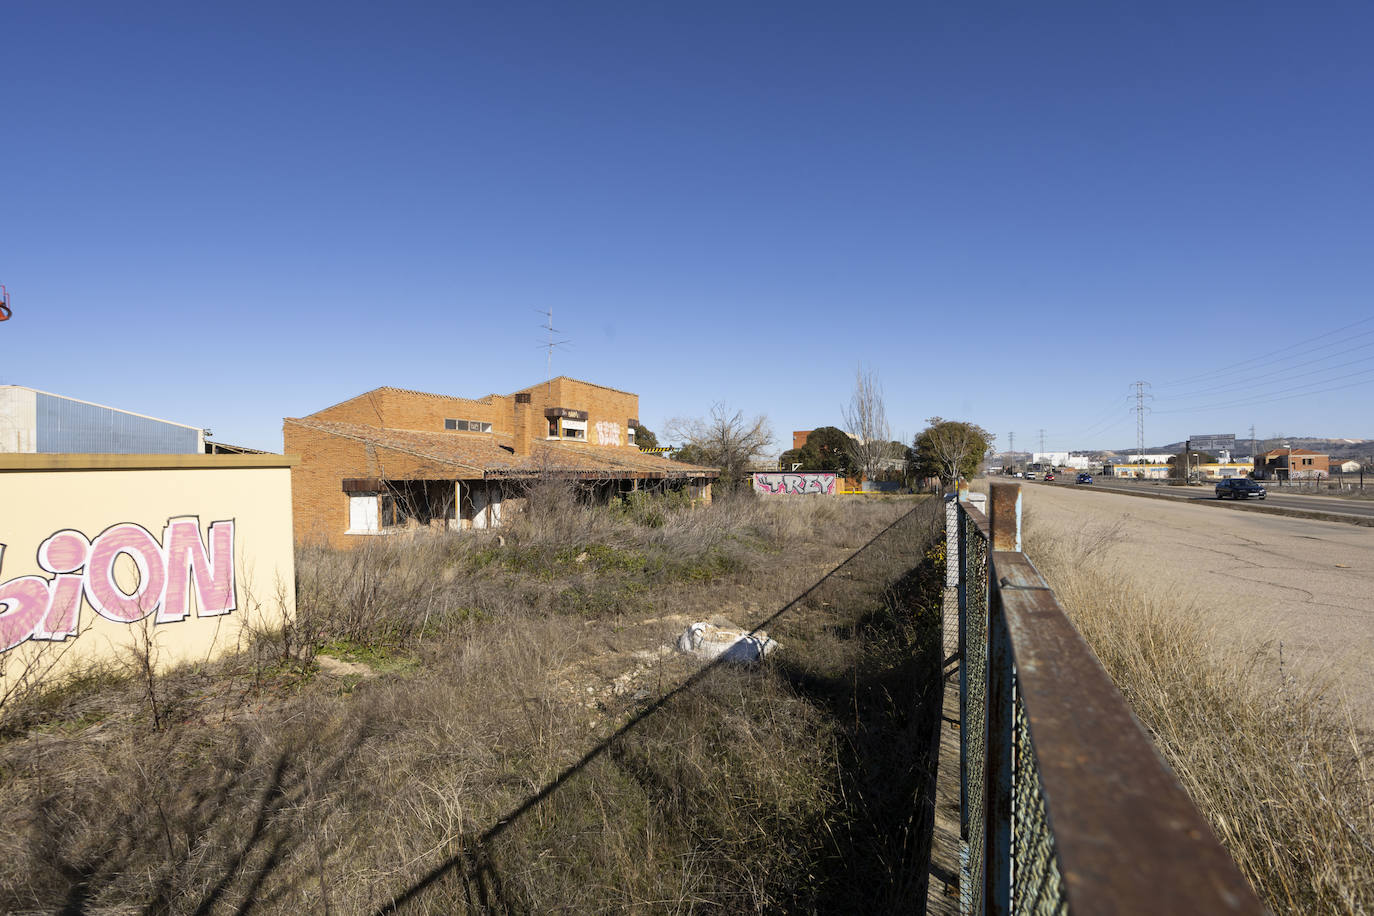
224, 214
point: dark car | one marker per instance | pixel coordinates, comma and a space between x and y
1240, 488
1085, 478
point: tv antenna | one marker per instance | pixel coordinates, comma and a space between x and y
5, 312
553, 341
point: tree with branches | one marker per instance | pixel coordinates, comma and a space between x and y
949, 449
865, 420
726, 440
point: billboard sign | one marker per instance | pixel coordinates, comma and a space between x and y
1213, 442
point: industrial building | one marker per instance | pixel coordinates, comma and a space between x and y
38, 422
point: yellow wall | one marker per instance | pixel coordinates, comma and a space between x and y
41, 495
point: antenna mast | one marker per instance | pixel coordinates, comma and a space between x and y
551, 343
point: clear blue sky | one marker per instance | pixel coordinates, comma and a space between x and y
223, 214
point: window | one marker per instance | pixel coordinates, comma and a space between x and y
467, 426
574, 429
362, 513
630, 435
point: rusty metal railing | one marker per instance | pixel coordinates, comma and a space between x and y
1066, 805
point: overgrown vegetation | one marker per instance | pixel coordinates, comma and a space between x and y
494, 722
1278, 767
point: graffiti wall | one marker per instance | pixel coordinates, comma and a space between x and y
101, 552
608, 433
800, 482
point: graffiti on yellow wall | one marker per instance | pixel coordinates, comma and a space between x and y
39, 607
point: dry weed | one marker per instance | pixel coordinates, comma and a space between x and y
1275, 764
448, 775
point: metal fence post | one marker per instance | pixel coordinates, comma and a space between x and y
1004, 516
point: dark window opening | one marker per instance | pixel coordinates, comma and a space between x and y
419, 502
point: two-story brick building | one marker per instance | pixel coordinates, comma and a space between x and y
392, 459
1292, 464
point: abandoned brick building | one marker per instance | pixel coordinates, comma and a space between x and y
391, 459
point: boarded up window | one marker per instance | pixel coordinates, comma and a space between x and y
362, 513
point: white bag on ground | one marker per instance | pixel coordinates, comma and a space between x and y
708, 641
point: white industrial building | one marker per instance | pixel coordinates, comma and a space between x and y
1061, 460
37, 422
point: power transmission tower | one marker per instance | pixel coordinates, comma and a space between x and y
1252, 443
1042, 440
1140, 410
1011, 443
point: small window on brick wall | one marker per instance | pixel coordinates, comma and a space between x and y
467, 426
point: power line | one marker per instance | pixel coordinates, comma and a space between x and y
1245, 362
1247, 383
1266, 399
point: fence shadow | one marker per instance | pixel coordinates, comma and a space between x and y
473, 869
888, 707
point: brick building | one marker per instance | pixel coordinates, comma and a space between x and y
1292, 464
392, 459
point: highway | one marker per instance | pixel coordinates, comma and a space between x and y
1276, 497
1305, 583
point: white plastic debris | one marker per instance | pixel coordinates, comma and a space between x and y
709, 641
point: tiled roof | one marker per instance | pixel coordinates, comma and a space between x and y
484, 454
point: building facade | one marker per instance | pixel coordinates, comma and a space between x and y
1292, 464
392, 460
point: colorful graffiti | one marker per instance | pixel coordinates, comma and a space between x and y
34, 607
607, 433
812, 482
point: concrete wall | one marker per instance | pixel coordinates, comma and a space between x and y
102, 554
18, 419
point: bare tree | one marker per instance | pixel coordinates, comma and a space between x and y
725, 440
865, 420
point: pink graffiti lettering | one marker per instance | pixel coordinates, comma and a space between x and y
32, 607
214, 575
24, 601
795, 483
104, 594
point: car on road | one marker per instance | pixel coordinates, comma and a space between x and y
1049, 475
1240, 488
1085, 478
1030, 475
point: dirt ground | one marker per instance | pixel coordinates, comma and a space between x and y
1307, 585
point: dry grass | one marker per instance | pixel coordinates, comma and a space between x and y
1278, 768
507, 739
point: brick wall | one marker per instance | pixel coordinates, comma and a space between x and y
318, 503
603, 405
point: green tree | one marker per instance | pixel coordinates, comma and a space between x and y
829, 450
645, 438
949, 450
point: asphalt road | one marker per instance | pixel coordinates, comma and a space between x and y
1276, 497
1304, 582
